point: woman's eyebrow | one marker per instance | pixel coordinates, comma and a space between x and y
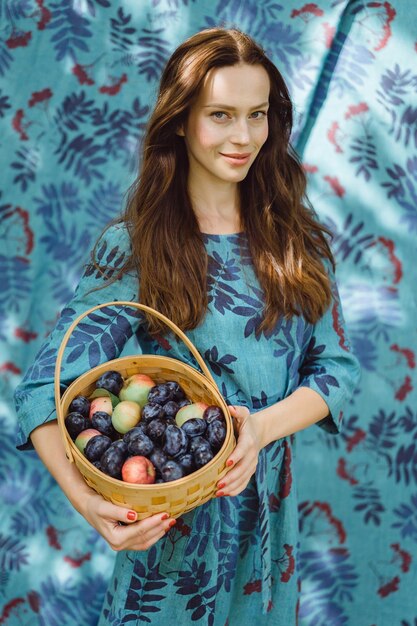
226, 106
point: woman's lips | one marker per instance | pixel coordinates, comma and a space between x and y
236, 158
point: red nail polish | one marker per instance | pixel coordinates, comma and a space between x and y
229, 463
221, 485
172, 523
219, 494
131, 515
164, 517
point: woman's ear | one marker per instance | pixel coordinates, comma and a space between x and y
180, 131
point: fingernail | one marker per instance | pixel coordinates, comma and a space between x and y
219, 494
131, 515
172, 523
221, 485
164, 517
230, 463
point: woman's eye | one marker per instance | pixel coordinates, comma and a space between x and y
257, 115
218, 115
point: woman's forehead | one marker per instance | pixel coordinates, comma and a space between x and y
235, 85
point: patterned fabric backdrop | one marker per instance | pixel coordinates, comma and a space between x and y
78, 78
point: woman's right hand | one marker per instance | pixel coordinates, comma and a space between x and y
119, 526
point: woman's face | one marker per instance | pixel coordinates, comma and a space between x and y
228, 124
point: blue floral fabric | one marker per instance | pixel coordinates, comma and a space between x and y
77, 82
256, 528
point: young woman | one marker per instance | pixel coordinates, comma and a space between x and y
218, 236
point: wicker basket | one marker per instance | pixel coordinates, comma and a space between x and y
175, 497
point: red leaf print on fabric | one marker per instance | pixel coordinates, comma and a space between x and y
17, 124
112, 90
18, 41
390, 14
404, 556
25, 335
394, 260
331, 136
407, 353
40, 96
404, 390
338, 326
310, 169
352, 441
80, 72
334, 183
53, 540
286, 563
307, 10
389, 587
46, 15
356, 109
343, 472
10, 367
7, 611
252, 587
77, 561
14, 228
34, 601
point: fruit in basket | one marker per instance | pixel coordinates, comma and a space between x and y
139, 470
202, 456
151, 411
84, 436
175, 441
190, 411
76, 423
171, 471
141, 445
161, 394
186, 462
125, 415
213, 412
195, 427
136, 388
216, 434
170, 409
103, 422
113, 458
96, 447
176, 391
156, 429
80, 404
101, 404
110, 380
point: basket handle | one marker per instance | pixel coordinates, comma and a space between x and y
57, 384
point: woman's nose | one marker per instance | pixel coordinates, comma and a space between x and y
240, 133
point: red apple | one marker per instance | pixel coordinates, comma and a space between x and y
139, 470
136, 388
190, 411
101, 404
84, 437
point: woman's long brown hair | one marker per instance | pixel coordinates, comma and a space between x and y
286, 241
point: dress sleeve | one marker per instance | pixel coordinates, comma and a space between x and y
329, 365
99, 337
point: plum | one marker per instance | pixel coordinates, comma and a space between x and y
171, 408
195, 427
202, 456
156, 429
198, 442
96, 447
150, 411
158, 458
186, 462
212, 413
113, 458
76, 423
141, 445
80, 404
110, 380
175, 389
171, 471
175, 441
84, 437
216, 434
160, 394
134, 432
103, 422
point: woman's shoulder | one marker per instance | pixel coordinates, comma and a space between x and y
113, 246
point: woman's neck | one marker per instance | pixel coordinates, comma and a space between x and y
217, 209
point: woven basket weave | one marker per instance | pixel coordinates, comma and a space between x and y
174, 497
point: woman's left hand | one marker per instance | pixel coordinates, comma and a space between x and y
244, 457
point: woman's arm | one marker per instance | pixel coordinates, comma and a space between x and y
102, 515
301, 409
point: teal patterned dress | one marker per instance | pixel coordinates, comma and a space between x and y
232, 561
